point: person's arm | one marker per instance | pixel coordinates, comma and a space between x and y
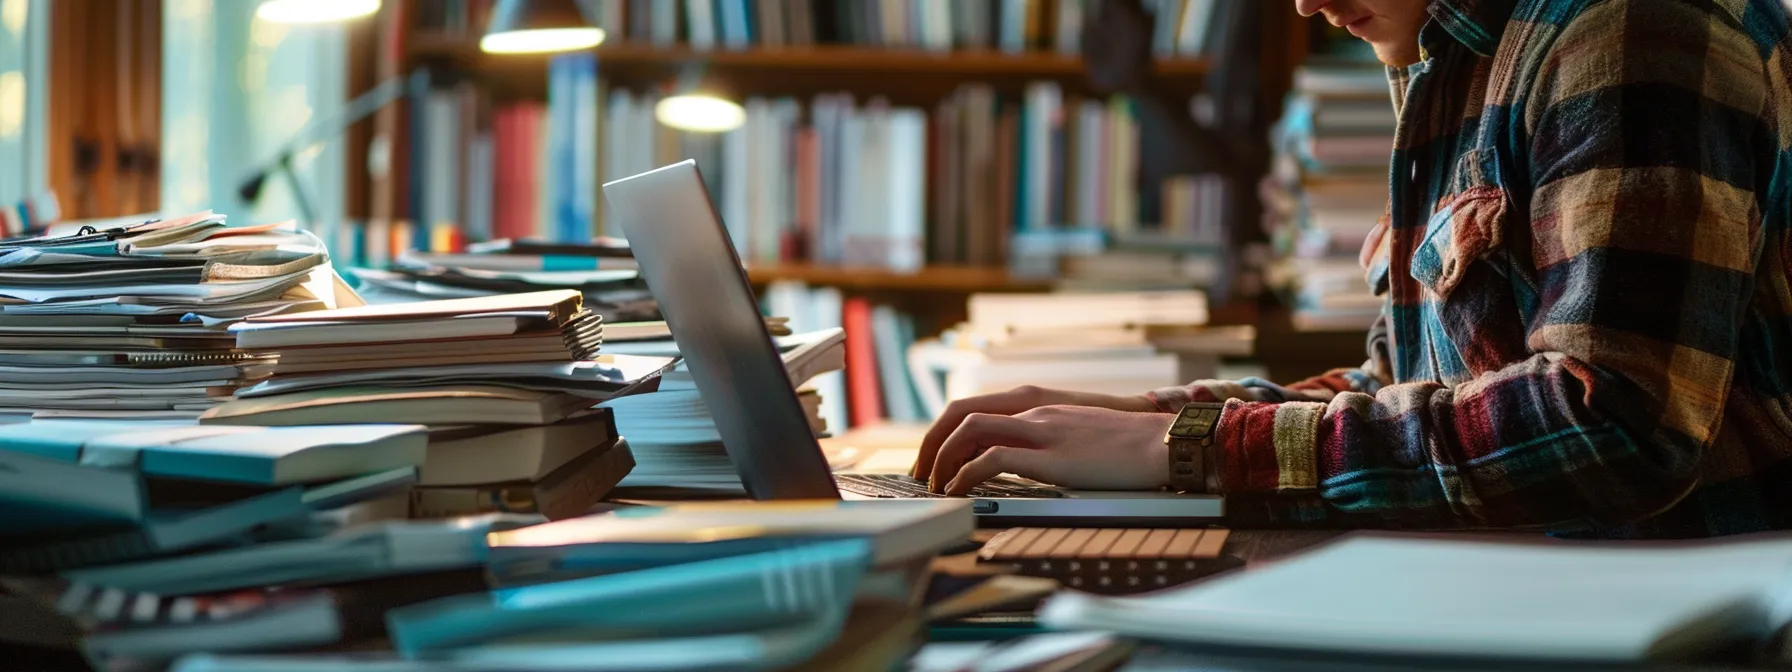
1368, 378
1645, 248
1647, 228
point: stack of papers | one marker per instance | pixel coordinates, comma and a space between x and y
505, 383
675, 440
131, 320
620, 295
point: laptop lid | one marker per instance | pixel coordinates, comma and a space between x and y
687, 260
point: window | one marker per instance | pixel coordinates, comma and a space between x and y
235, 91
23, 76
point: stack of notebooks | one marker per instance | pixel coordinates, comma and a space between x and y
675, 440
740, 586
505, 383
603, 272
129, 320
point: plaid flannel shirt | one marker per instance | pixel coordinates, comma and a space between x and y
1588, 318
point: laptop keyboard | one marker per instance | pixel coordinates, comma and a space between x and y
900, 486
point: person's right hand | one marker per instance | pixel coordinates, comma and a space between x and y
1012, 402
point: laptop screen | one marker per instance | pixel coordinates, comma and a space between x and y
691, 267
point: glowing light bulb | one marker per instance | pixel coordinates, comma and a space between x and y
541, 40
701, 113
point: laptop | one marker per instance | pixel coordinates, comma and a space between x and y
688, 262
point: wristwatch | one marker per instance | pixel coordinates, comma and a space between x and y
1190, 440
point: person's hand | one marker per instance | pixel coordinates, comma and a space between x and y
1018, 400
1116, 43
1072, 446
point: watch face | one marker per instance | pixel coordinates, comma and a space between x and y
1195, 422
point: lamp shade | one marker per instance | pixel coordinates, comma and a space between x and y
539, 26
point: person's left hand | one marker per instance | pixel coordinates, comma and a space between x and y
1072, 446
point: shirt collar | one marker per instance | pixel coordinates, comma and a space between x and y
1477, 24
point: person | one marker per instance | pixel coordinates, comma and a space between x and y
1587, 280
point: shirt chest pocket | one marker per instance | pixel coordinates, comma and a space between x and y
1461, 262
1465, 229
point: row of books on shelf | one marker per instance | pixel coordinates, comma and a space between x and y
1182, 28
526, 169
834, 181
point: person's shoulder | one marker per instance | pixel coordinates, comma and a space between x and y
1762, 21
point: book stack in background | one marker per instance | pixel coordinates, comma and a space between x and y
1088, 342
130, 320
505, 383
876, 384
1184, 28
674, 438
1328, 191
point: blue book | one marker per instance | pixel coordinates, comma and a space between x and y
751, 592
644, 537
169, 531
41, 494
265, 456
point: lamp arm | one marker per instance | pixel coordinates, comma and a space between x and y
362, 107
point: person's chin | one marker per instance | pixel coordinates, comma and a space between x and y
1395, 54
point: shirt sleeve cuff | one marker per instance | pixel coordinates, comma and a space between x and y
1172, 399
1268, 448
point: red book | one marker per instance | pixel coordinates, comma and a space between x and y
864, 394
503, 173
808, 193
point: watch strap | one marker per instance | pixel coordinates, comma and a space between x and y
1189, 464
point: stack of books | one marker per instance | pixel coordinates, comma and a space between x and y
89, 492
675, 440
805, 586
1089, 342
130, 320
505, 383
1328, 191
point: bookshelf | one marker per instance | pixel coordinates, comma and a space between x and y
904, 76
410, 34
942, 279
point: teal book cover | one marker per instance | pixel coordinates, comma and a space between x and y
738, 594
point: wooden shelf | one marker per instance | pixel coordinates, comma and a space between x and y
798, 70
858, 60
945, 279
